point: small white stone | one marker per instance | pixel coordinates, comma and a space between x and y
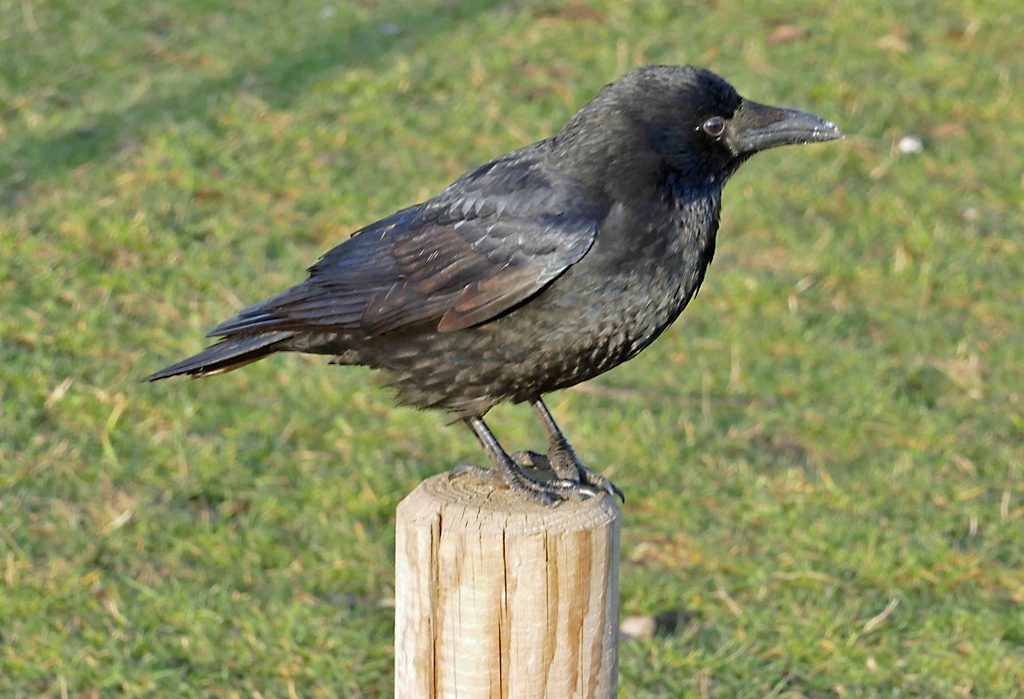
637, 627
911, 144
328, 11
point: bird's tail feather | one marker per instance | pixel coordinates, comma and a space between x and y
225, 356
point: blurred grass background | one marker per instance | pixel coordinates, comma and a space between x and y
823, 458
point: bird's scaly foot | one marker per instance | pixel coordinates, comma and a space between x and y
561, 463
559, 475
547, 491
562, 459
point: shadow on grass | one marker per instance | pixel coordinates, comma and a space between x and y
278, 81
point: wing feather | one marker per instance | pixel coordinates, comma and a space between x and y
493, 239
486, 298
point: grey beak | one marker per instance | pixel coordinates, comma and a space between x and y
755, 127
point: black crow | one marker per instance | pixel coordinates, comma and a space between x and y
536, 271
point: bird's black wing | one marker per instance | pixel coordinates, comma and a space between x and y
493, 239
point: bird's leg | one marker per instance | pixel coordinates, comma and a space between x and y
511, 474
562, 459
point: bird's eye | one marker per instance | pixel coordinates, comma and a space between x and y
714, 126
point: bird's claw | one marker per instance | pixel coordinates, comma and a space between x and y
602, 483
542, 492
561, 465
543, 486
485, 474
546, 479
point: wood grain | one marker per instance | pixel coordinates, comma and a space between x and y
500, 598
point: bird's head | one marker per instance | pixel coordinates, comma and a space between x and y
689, 120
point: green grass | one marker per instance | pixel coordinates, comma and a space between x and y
835, 424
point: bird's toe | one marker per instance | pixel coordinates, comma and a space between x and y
564, 463
531, 476
488, 475
602, 483
532, 460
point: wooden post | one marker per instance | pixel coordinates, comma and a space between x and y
499, 598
